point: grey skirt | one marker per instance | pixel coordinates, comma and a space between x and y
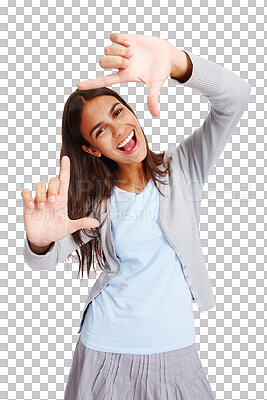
172, 375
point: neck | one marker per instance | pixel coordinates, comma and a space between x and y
131, 173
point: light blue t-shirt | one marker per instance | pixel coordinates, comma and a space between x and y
147, 307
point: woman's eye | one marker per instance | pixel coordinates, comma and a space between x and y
99, 131
120, 109
115, 113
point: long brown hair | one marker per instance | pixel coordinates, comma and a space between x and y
93, 178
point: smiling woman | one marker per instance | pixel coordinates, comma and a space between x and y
137, 328
94, 123
118, 127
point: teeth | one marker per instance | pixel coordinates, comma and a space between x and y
126, 140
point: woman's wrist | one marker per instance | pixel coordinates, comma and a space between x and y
40, 250
182, 66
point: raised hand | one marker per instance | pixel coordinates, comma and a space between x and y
51, 223
151, 63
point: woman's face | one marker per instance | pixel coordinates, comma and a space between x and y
105, 124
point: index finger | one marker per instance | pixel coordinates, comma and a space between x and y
121, 38
107, 80
111, 79
64, 176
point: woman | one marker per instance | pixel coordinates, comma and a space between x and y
137, 212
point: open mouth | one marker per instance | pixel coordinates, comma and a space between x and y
131, 145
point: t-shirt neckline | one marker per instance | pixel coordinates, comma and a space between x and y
133, 193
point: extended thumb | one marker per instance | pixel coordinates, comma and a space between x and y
84, 223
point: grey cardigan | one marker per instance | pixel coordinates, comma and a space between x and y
191, 164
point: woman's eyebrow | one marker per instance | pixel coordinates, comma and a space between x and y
100, 123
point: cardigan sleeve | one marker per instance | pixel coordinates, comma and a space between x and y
229, 97
55, 255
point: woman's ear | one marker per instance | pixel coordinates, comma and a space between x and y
92, 151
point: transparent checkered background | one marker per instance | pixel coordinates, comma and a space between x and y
47, 47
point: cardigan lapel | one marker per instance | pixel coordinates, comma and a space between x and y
105, 231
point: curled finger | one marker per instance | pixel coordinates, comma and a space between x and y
114, 50
112, 62
121, 38
53, 189
40, 196
27, 198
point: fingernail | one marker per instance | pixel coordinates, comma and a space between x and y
31, 204
41, 205
130, 54
127, 43
127, 62
52, 199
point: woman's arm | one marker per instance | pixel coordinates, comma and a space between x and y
56, 254
154, 60
229, 96
182, 66
39, 250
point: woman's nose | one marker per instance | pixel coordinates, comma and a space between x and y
118, 133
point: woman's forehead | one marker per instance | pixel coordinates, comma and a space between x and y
96, 110
101, 101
